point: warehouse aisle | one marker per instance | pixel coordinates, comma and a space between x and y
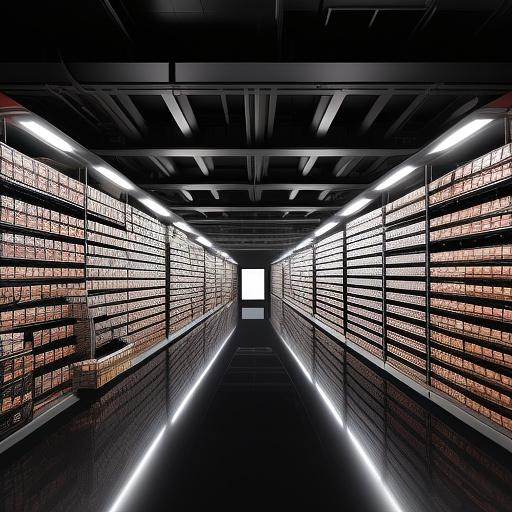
256, 447
255, 416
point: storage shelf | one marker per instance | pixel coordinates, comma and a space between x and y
474, 300
471, 197
491, 324
38, 197
478, 360
37, 233
488, 384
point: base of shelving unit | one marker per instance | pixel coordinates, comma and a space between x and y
489, 431
38, 422
476, 423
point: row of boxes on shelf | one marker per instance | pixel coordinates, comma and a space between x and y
20, 168
467, 289
80, 269
408, 443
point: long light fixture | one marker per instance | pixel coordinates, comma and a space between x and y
323, 229
153, 205
361, 203
303, 244
460, 134
48, 136
204, 241
285, 255
115, 178
397, 176
183, 226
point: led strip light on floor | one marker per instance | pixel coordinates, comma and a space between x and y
154, 444
360, 450
194, 387
137, 472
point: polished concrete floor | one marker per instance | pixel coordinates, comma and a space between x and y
265, 429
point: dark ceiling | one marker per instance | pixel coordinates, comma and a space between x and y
256, 120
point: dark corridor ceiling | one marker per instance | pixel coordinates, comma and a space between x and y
256, 120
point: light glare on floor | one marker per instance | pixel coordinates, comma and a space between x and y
137, 472
194, 387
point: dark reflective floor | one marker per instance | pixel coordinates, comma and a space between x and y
277, 423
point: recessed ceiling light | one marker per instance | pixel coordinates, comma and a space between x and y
204, 241
153, 205
461, 134
327, 227
397, 176
115, 178
361, 203
183, 226
304, 243
48, 136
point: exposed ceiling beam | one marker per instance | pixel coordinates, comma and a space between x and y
249, 186
187, 111
309, 165
248, 117
178, 114
342, 72
255, 209
260, 116
236, 73
202, 165
255, 247
328, 115
224, 102
133, 112
244, 222
243, 152
187, 195
253, 236
271, 112
380, 161
374, 111
346, 167
159, 163
323, 102
408, 112
258, 169
124, 123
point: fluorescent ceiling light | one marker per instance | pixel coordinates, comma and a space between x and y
115, 178
304, 243
361, 203
183, 226
327, 227
461, 134
224, 254
153, 205
204, 241
397, 176
47, 135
